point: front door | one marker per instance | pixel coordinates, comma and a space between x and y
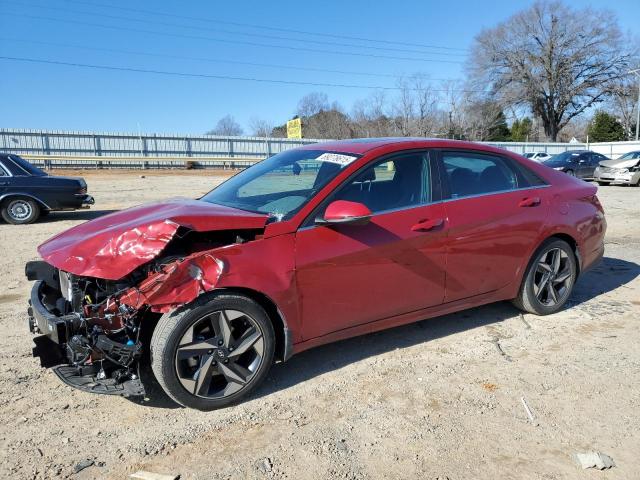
352, 275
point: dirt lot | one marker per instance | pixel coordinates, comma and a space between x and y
440, 399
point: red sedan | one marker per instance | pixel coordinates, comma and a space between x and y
310, 246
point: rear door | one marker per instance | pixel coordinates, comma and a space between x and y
351, 275
596, 158
495, 209
588, 163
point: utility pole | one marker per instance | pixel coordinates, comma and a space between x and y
636, 72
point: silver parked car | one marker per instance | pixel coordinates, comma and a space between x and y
537, 156
624, 170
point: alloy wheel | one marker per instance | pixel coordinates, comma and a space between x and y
553, 277
219, 354
19, 210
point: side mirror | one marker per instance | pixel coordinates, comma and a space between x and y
343, 212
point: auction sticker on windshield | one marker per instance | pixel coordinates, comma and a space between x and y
338, 158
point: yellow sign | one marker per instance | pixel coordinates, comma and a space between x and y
294, 128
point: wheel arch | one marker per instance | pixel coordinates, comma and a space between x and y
560, 235
572, 243
9, 196
284, 341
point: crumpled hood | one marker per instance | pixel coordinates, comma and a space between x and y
620, 163
114, 245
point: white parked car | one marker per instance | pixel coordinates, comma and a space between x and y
537, 156
624, 170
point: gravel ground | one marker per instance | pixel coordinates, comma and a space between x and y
440, 399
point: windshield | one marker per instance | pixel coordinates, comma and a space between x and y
630, 156
529, 155
27, 167
280, 185
563, 157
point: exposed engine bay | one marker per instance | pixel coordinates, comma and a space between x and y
92, 327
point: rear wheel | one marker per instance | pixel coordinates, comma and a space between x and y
20, 210
212, 352
549, 279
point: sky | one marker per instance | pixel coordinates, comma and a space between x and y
210, 47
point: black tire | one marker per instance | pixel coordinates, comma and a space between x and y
571, 173
20, 210
177, 363
536, 296
604, 184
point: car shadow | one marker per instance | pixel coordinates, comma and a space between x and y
74, 215
609, 275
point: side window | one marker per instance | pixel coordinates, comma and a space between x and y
3, 173
477, 174
402, 181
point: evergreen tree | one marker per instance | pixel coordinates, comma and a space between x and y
521, 130
499, 131
604, 127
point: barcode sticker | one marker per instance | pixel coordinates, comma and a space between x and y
338, 158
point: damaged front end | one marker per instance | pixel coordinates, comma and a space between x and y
91, 342
90, 323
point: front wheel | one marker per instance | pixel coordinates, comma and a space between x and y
549, 279
212, 352
20, 210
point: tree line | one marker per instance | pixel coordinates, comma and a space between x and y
548, 73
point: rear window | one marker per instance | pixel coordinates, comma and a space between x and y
26, 166
478, 174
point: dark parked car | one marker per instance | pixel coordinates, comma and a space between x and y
577, 163
26, 192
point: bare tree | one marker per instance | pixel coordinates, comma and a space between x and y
370, 117
312, 103
484, 120
415, 108
556, 60
453, 117
426, 107
623, 103
260, 127
228, 126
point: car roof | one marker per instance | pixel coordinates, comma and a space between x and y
360, 146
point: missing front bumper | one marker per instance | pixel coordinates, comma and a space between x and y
55, 350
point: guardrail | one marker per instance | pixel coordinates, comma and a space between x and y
66, 143
92, 150
52, 162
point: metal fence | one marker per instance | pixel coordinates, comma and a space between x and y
66, 149
63, 143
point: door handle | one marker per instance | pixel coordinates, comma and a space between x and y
529, 202
428, 224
